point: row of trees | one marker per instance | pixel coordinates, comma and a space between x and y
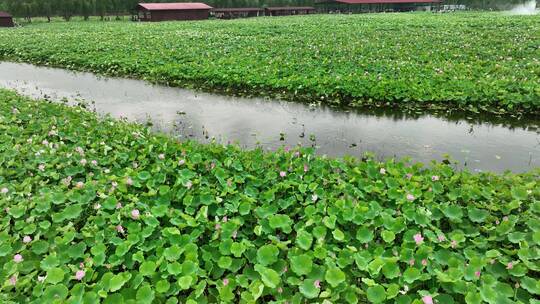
103, 8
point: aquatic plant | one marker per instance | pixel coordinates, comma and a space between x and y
472, 61
154, 220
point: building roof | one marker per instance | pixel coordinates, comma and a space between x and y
237, 9
4, 15
290, 8
380, 1
174, 6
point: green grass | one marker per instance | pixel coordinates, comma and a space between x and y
215, 224
472, 61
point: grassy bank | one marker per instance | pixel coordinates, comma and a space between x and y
96, 209
473, 61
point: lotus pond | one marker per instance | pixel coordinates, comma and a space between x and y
100, 210
473, 61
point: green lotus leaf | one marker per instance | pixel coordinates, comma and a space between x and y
269, 276
477, 215
267, 255
147, 268
55, 293
309, 289
304, 239
334, 276
411, 274
364, 235
185, 282
55, 275
376, 294
301, 264
145, 295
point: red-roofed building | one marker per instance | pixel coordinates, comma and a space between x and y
289, 10
353, 6
242, 12
173, 11
6, 20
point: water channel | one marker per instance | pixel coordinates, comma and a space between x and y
479, 143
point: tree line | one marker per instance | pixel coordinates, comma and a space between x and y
105, 8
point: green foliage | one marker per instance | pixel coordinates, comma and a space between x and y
472, 61
473, 238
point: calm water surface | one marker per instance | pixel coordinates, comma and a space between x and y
481, 144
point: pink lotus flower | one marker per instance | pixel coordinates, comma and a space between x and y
225, 219
435, 178
189, 184
382, 171
408, 175
27, 239
282, 173
79, 275
510, 265
234, 234
114, 184
477, 274
418, 239
410, 197
280, 290
13, 280
225, 282
4, 190
424, 262
181, 162
217, 226
120, 229
505, 219
79, 150
41, 167
97, 206
45, 142
41, 278
161, 156
492, 261
297, 153
427, 300
79, 185
411, 262
135, 214
129, 181
118, 205
314, 197
317, 283
306, 168
18, 258
453, 243
94, 162
135, 165
83, 162
441, 238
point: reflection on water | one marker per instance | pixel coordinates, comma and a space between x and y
480, 143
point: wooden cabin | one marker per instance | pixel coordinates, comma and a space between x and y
233, 13
172, 11
367, 6
6, 20
289, 10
